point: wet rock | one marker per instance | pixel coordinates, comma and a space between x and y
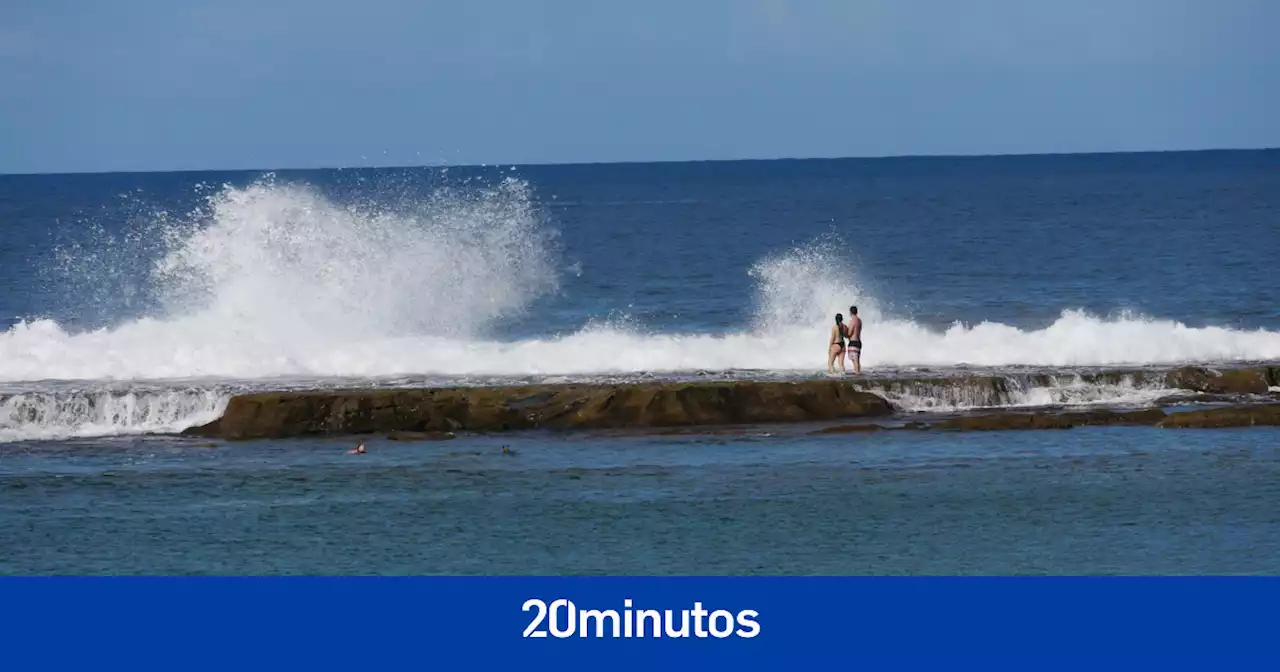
647, 407
1007, 421
848, 429
966, 390
1136, 378
1004, 421
991, 391
1198, 398
1144, 417
1228, 381
573, 406
697, 431
420, 436
1230, 416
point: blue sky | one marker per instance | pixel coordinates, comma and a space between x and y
90, 85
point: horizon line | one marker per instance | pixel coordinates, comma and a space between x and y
545, 164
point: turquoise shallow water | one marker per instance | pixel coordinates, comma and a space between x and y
760, 501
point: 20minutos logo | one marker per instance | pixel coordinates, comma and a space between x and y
564, 619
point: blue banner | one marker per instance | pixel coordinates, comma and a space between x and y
636, 623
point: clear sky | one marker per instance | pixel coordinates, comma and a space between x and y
101, 85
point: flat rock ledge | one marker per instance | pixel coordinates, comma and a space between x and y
1252, 415
993, 390
1005, 421
433, 412
1229, 416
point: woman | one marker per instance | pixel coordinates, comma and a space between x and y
835, 349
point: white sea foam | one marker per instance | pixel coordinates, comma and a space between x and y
274, 280
1018, 392
65, 414
152, 349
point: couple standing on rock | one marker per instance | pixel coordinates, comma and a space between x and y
837, 349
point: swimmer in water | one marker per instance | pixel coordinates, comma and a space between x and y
835, 345
358, 450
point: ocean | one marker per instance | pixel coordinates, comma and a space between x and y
132, 306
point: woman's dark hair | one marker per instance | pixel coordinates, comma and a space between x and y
839, 318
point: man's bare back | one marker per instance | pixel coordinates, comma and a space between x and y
854, 350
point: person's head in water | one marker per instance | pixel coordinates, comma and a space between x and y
853, 310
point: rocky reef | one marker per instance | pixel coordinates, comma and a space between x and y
986, 390
285, 414
1229, 416
436, 413
998, 421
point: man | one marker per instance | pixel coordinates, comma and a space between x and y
854, 350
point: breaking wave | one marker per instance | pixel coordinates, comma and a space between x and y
27, 416
276, 280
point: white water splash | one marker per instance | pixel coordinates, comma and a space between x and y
60, 415
1018, 392
275, 280
280, 282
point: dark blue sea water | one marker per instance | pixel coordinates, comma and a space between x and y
1188, 236
133, 305
762, 501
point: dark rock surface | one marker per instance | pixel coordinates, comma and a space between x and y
990, 390
420, 436
431, 414
1005, 421
1254, 380
574, 406
1230, 416
849, 429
